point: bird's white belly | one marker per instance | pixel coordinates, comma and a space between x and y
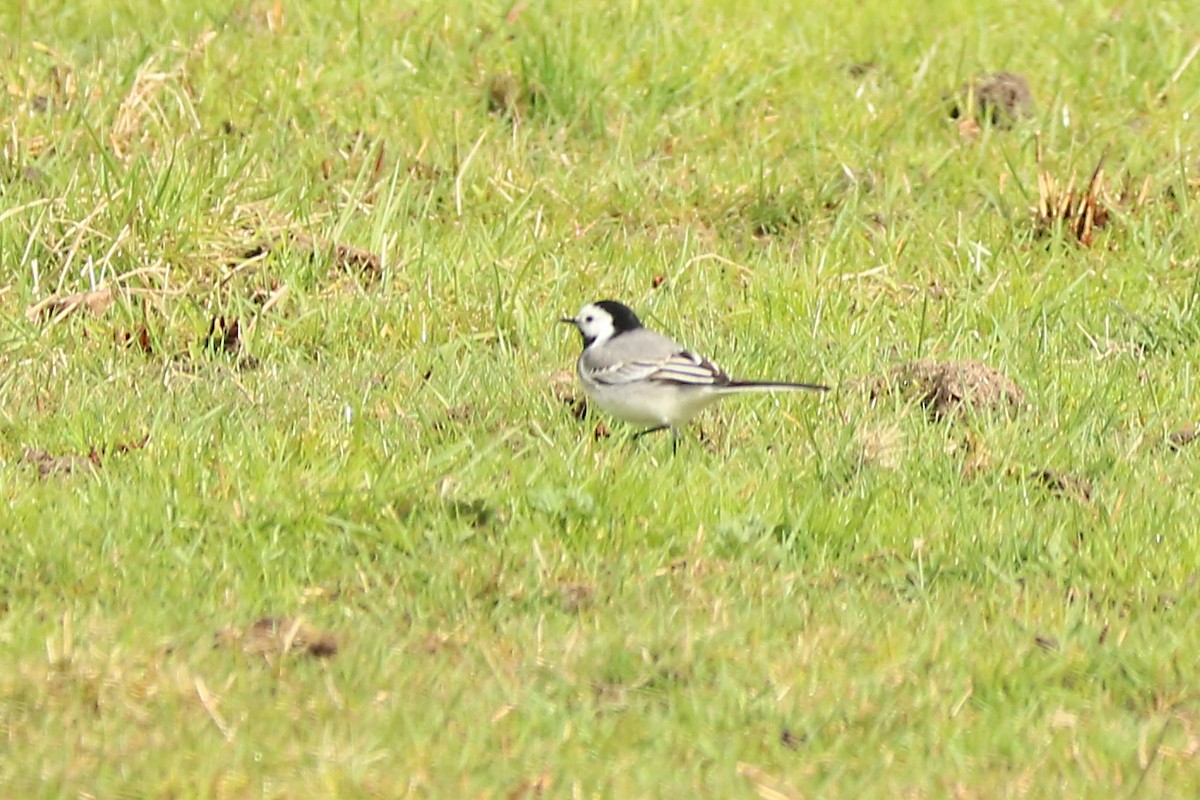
652, 404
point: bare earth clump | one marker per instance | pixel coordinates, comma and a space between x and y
945, 388
1183, 437
344, 256
512, 97
70, 463
565, 388
1001, 98
1063, 484
271, 636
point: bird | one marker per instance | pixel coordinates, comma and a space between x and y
645, 378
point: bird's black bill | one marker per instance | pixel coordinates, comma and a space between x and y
568, 320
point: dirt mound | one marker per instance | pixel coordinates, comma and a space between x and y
944, 388
1001, 98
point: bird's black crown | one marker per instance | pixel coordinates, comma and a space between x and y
622, 315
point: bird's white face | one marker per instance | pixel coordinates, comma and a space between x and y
595, 324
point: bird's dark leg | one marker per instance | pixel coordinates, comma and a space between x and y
656, 429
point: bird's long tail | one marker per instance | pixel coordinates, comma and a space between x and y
772, 386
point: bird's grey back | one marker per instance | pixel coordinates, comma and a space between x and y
641, 344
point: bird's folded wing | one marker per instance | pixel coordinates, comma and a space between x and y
681, 367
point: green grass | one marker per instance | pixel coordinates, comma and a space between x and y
524, 609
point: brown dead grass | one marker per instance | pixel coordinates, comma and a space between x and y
346, 257
48, 464
144, 110
766, 785
57, 307
279, 636
532, 787
564, 385
1081, 210
576, 596
880, 446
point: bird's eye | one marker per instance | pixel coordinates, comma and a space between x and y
589, 318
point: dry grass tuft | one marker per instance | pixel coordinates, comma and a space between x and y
766, 785
564, 385
575, 595
144, 102
880, 446
1080, 210
56, 308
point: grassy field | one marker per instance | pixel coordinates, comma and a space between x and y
297, 498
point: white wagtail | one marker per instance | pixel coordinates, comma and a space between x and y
643, 377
